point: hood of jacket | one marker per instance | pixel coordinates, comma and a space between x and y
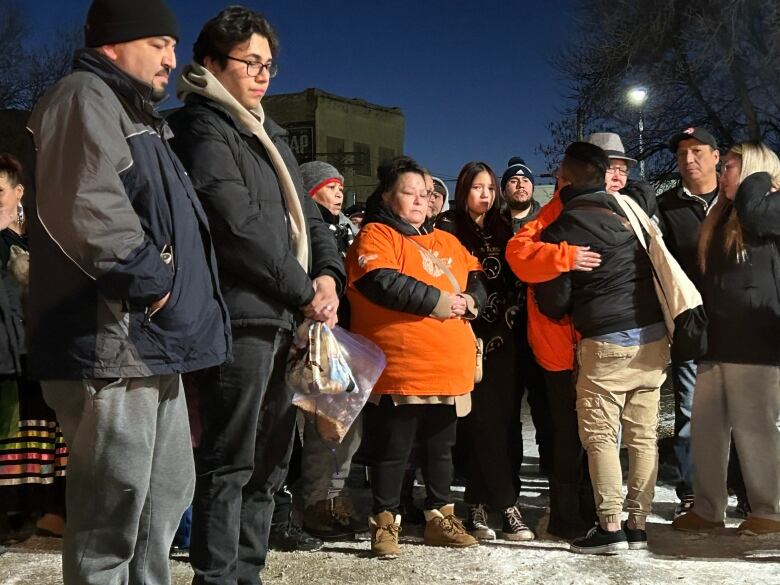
377, 211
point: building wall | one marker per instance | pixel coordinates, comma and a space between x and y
353, 135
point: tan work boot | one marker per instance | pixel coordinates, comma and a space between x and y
442, 528
384, 535
755, 526
692, 522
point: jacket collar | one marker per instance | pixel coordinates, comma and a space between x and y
132, 91
273, 129
378, 212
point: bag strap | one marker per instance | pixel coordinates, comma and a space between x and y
441, 265
640, 221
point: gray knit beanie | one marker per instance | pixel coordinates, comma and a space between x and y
316, 174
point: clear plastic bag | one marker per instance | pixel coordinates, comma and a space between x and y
334, 413
316, 364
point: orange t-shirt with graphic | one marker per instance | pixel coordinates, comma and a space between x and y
425, 356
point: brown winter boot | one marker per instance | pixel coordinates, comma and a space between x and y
442, 528
384, 535
692, 522
331, 519
755, 526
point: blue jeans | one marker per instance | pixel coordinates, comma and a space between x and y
684, 382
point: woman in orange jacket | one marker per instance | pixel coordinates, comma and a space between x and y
572, 507
411, 290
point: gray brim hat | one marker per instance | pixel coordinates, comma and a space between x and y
611, 144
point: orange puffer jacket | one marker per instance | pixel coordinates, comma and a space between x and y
534, 261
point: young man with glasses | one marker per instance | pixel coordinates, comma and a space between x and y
278, 262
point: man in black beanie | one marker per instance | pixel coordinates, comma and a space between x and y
123, 295
517, 188
623, 352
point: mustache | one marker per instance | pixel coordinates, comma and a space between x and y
164, 71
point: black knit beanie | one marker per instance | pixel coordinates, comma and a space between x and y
120, 21
516, 166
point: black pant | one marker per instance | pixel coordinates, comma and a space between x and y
391, 431
248, 425
572, 506
493, 435
530, 378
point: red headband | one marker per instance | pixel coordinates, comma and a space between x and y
319, 186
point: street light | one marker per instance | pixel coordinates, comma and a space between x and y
637, 96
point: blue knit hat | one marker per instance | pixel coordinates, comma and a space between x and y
516, 167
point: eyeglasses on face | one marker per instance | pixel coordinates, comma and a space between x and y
255, 68
622, 171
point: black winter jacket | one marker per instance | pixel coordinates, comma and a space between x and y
389, 288
497, 318
11, 310
114, 226
680, 216
742, 299
261, 279
616, 296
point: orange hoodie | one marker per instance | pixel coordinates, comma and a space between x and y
533, 261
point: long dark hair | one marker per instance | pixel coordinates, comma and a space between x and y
496, 219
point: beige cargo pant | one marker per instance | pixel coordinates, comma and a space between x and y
620, 386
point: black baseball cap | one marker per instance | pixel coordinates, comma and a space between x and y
699, 134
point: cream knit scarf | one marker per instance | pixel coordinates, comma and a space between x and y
199, 80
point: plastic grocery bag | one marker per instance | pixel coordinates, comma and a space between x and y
358, 358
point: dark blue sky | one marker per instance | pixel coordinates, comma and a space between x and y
474, 79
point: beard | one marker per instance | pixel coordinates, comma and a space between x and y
160, 93
516, 205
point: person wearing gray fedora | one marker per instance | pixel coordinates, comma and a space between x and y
616, 177
619, 164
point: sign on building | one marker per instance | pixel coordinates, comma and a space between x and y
301, 140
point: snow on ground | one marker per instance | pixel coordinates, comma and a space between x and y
672, 557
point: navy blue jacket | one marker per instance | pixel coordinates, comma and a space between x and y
114, 226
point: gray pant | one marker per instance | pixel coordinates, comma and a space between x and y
130, 476
744, 400
324, 464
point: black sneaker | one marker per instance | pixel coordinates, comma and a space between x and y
514, 527
636, 537
600, 542
684, 506
291, 538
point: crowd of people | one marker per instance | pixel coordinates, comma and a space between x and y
154, 277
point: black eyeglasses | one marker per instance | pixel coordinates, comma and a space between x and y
255, 68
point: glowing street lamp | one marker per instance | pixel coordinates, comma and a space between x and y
637, 96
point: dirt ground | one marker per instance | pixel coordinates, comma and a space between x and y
672, 557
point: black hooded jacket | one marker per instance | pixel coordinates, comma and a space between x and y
742, 298
618, 295
497, 319
389, 288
